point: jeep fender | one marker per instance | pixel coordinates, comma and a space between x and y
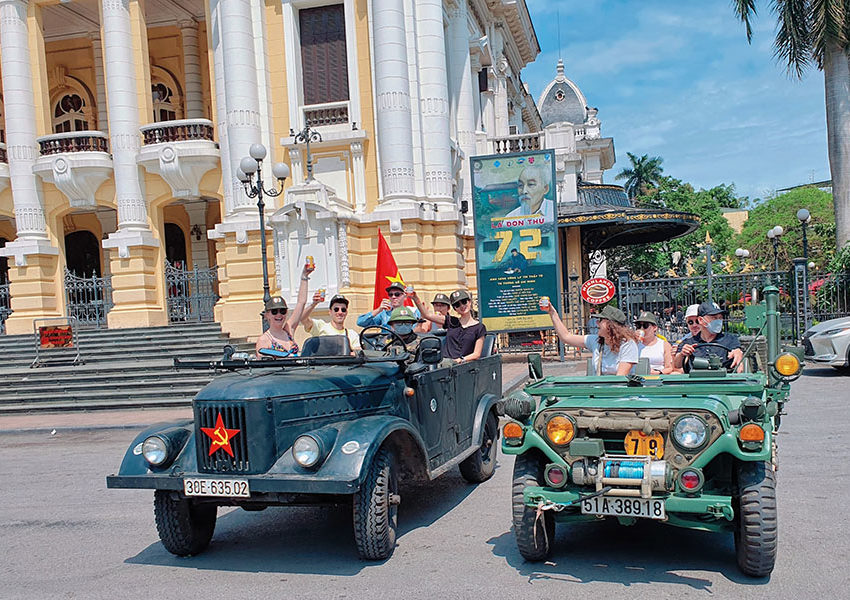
485, 405
135, 464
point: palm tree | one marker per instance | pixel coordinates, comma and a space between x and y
645, 172
818, 32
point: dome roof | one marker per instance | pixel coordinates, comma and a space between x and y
562, 101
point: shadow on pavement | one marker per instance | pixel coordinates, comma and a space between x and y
643, 553
310, 540
827, 372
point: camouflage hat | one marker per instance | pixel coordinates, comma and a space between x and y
612, 314
441, 299
402, 313
395, 285
275, 302
459, 295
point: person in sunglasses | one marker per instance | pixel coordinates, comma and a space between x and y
692, 319
615, 349
338, 311
280, 334
658, 351
381, 314
464, 334
441, 305
710, 318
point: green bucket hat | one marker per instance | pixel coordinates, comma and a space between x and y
402, 313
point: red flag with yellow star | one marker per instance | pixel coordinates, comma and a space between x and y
386, 272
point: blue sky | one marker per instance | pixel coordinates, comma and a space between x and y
684, 84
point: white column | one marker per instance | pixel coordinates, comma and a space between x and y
100, 83
108, 224
192, 70
434, 99
392, 88
240, 88
502, 124
20, 131
221, 106
123, 114
359, 169
197, 212
463, 95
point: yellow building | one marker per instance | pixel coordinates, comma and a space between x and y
124, 123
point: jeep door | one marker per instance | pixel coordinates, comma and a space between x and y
436, 414
472, 381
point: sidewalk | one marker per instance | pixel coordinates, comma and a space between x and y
514, 374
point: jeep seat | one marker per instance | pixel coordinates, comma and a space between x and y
641, 368
326, 345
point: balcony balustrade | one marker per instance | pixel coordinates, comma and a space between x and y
330, 113
520, 142
180, 152
76, 162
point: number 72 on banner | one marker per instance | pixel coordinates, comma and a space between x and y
506, 236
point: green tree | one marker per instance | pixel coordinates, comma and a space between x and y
782, 210
818, 32
644, 173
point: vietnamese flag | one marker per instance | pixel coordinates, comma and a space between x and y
386, 272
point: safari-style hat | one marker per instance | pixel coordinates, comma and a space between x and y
395, 285
647, 317
459, 295
275, 302
441, 299
612, 314
402, 313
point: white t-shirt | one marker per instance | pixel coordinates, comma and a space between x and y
610, 360
321, 327
655, 354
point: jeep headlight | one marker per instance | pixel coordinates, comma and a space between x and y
560, 430
155, 450
690, 432
306, 451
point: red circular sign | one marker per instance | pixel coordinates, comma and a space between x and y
597, 290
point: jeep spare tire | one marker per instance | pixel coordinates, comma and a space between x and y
376, 509
184, 527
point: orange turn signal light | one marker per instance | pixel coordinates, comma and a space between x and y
751, 433
560, 430
513, 430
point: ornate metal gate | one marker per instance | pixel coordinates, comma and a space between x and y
191, 294
88, 299
5, 305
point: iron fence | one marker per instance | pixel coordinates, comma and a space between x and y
5, 305
829, 295
88, 299
191, 294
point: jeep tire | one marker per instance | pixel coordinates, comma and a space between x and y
184, 527
534, 537
756, 527
376, 509
479, 467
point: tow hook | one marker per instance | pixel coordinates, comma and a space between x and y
721, 511
395, 499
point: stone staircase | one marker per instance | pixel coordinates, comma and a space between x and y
123, 368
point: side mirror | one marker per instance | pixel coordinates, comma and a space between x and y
535, 366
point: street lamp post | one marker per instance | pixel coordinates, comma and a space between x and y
773, 235
804, 217
307, 136
250, 173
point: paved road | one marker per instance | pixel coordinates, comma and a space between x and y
66, 536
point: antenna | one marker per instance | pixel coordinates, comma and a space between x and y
558, 10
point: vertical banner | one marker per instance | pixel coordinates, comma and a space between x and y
516, 238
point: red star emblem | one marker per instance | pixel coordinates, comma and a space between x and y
220, 436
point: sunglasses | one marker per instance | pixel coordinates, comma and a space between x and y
460, 303
277, 311
395, 294
693, 322
643, 325
340, 309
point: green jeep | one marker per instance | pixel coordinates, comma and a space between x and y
696, 450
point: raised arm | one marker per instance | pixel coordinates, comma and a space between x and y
570, 339
295, 315
306, 321
427, 313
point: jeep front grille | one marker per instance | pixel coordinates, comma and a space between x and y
233, 417
614, 441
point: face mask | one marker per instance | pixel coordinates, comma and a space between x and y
403, 328
715, 326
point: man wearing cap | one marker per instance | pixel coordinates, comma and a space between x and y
710, 318
692, 319
381, 315
338, 311
441, 307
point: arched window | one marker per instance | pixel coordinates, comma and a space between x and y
164, 107
69, 114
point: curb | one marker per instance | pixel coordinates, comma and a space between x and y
72, 429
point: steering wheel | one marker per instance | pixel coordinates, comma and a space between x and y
687, 361
382, 339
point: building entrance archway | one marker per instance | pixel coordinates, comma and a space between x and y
82, 254
88, 296
175, 245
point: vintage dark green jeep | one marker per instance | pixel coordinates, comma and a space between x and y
328, 427
694, 450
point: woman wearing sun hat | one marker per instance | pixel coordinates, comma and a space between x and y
658, 351
614, 348
464, 334
279, 335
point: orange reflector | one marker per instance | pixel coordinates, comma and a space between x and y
751, 433
787, 365
560, 430
513, 430
409, 392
